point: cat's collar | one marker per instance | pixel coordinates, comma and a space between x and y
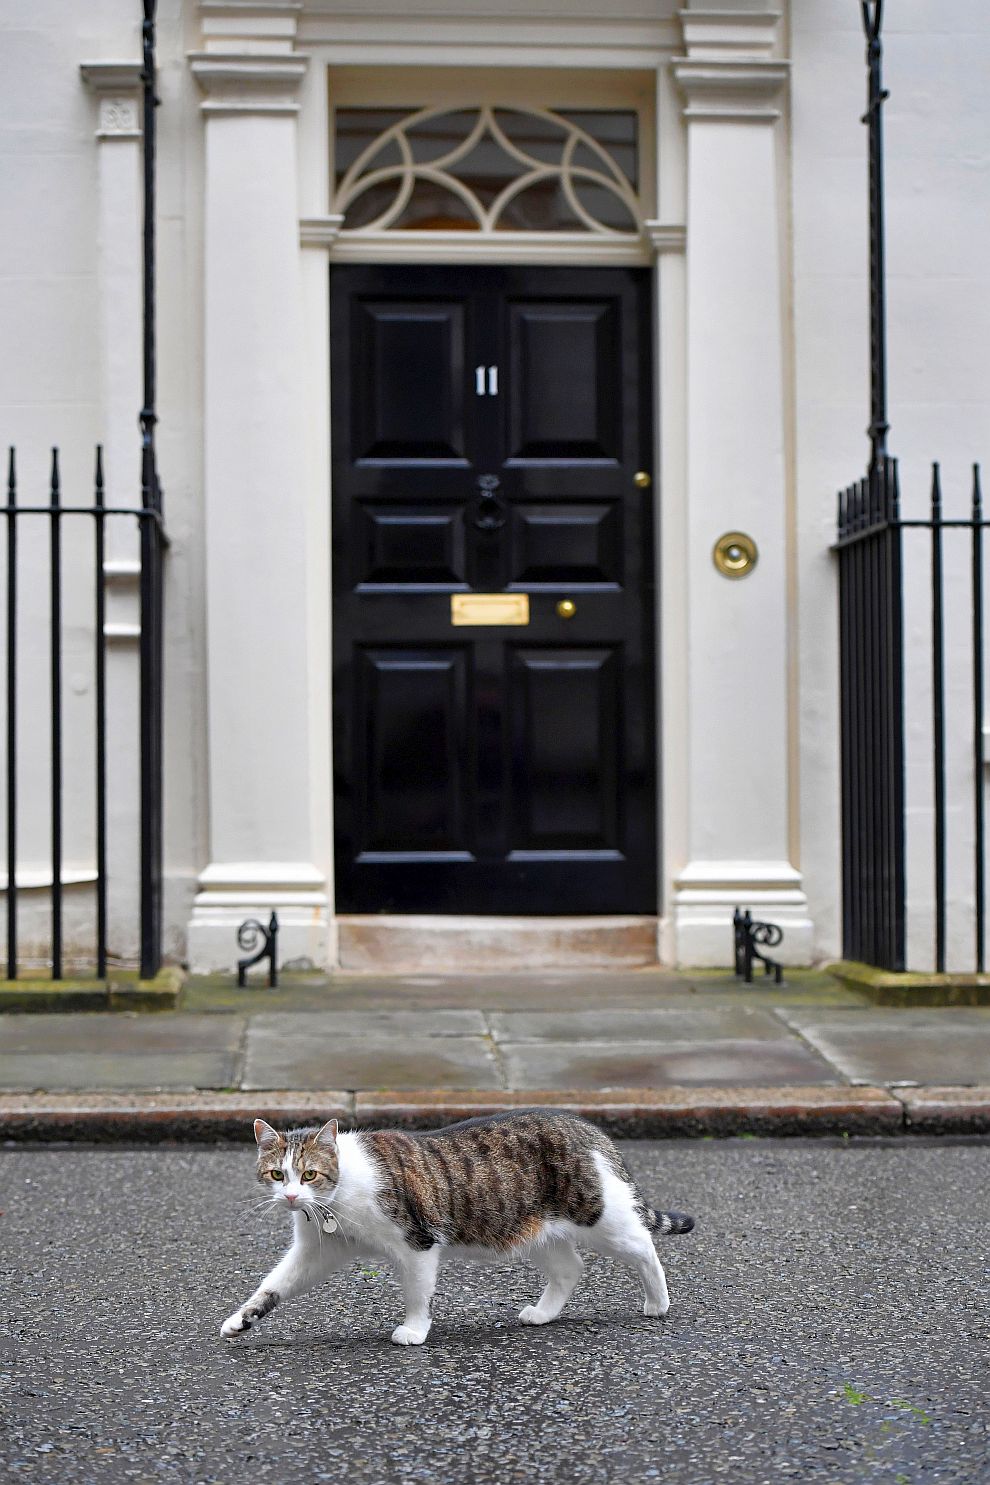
328, 1222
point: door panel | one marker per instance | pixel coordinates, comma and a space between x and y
564, 720
563, 398
487, 424
410, 764
565, 545
398, 418
397, 545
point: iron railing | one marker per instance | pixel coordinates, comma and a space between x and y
57, 517
873, 651
152, 545
873, 612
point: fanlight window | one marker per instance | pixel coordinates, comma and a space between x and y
488, 169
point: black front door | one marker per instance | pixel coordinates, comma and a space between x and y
487, 427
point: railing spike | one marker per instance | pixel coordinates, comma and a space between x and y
895, 491
977, 494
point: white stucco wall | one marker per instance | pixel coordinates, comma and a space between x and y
937, 59
51, 392
52, 385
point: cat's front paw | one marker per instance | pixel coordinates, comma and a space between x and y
653, 1308
533, 1315
234, 1326
408, 1335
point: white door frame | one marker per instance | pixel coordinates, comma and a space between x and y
716, 240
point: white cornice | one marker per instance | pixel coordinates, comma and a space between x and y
739, 90
110, 77
248, 82
250, 10
116, 86
498, 247
724, 34
534, 39
507, 12
473, 247
320, 231
664, 237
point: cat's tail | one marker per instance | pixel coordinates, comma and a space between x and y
670, 1222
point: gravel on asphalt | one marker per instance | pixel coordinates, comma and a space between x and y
829, 1323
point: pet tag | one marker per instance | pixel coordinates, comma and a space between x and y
329, 1223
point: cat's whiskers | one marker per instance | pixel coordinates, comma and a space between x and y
252, 1206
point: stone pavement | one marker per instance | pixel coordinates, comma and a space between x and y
644, 1052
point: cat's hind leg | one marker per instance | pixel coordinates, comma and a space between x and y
417, 1273
562, 1266
622, 1233
643, 1258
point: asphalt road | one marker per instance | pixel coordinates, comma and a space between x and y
829, 1322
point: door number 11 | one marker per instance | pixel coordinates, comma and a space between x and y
491, 390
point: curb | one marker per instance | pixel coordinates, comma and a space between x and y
631, 1113
911, 988
119, 991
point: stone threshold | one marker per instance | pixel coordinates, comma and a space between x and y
633, 1113
122, 990
912, 987
450, 944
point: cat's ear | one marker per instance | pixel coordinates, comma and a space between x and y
264, 1133
328, 1134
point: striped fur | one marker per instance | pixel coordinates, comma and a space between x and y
535, 1183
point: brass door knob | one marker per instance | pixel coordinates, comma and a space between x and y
642, 480
566, 609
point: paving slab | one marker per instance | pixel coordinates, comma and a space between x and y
124, 1032
90, 1070
307, 1051
119, 1051
659, 1026
948, 1047
644, 1065
333, 1025
642, 989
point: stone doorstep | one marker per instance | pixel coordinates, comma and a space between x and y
419, 943
119, 991
656, 1113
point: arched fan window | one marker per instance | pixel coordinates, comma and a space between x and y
487, 169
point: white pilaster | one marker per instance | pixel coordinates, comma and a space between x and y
118, 132
265, 844
737, 845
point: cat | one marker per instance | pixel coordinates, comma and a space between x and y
534, 1184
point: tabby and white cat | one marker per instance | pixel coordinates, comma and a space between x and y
536, 1184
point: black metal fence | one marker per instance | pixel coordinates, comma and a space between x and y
21, 581
883, 620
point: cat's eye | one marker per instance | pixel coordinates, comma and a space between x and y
310, 1175
276, 1175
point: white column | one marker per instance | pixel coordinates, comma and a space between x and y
264, 840
738, 835
119, 207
